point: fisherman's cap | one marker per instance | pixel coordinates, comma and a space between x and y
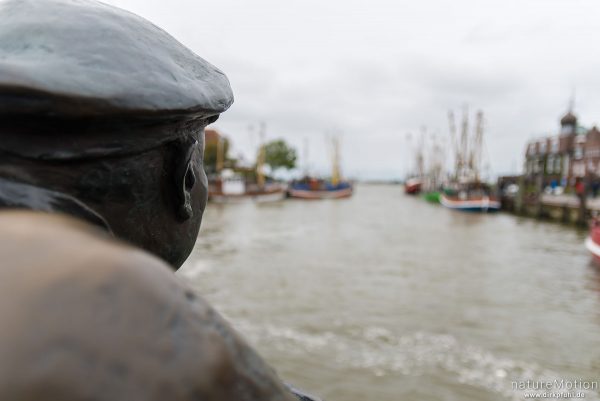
91, 67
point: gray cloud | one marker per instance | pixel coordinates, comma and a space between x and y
379, 69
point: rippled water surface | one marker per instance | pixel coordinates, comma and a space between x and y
385, 297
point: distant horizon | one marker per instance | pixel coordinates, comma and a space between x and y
324, 169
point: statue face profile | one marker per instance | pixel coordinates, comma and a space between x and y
153, 199
114, 119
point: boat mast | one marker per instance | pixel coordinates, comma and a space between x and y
436, 163
411, 150
305, 157
464, 144
335, 174
454, 142
421, 154
477, 146
260, 177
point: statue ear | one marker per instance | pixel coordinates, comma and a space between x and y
185, 178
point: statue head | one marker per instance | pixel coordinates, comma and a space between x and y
104, 112
102, 117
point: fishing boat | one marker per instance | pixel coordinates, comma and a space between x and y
434, 160
414, 182
466, 192
470, 199
427, 172
412, 186
311, 188
592, 242
432, 196
273, 195
232, 188
228, 186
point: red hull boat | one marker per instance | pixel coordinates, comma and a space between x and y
412, 186
592, 242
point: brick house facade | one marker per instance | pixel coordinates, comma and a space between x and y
562, 159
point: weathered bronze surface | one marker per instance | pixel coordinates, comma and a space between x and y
101, 119
85, 58
85, 317
154, 199
103, 106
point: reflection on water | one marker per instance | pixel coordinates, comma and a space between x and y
385, 297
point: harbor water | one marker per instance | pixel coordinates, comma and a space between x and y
386, 297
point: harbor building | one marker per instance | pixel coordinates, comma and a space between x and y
562, 159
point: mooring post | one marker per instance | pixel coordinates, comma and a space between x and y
581, 189
539, 206
518, 206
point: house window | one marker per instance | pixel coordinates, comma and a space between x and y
578, 153
578, 169
555, 143
567, 130
557, 164
550, 165
543, 147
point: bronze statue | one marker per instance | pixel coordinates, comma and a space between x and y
85, 317
104, 107
101, 142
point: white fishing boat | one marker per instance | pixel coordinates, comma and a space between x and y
229, 186
470, 201
467, 192
233, 189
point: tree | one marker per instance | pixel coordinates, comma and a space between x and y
279, 155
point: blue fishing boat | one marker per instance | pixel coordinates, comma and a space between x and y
314, 188
311, 188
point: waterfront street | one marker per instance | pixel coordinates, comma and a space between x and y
386, 297
570, 201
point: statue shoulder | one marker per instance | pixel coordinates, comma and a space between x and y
106, 321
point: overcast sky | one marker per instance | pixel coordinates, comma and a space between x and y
376, 70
